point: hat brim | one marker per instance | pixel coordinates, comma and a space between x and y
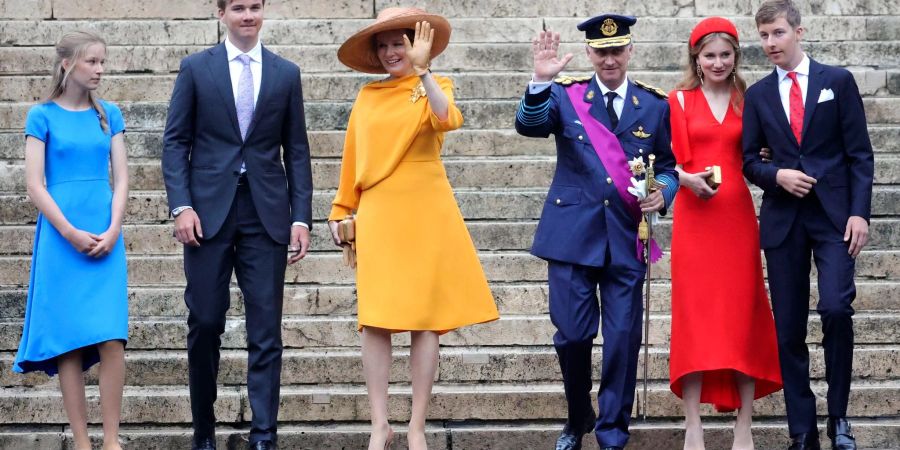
618, 41
358, 51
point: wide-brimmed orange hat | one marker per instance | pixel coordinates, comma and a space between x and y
358, 52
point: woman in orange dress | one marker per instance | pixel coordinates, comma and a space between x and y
417, 267
723, 346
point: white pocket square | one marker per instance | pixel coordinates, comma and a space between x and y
825, 95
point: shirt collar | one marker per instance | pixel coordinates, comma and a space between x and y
801, 69
621, 91
255, 53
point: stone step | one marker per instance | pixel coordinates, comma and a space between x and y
464, 143
156, 239
328, 268
344, 86
341, 331
479, 114
501, 204
447, 435
170, 405
654, 8
133, 9
290, 31
511, 299
483, 173
515, 364
463, 57
130, 9
317, 300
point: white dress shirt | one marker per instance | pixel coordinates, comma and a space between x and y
785, 83
621, 91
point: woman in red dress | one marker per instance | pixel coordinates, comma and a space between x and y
723, 347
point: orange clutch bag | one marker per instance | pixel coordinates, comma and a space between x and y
347, 235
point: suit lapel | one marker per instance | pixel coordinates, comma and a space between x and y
814, 86
221, 76
269, 76
631, 111
598, 104
776, 109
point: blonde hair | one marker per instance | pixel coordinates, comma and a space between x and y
691, 78
71, 48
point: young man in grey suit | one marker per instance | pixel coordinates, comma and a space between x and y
237, 206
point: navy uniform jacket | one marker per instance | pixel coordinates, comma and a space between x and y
835, 150
584, 216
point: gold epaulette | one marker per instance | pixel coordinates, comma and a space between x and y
651, 89
567, 80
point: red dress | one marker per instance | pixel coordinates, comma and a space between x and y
721, 318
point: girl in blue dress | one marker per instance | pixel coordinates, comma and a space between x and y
77, 312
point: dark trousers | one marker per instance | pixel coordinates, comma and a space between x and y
242, 246
576, 313
812, 234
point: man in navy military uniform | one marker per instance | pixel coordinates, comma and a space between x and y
588, 228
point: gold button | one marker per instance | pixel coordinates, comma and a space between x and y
580, 137
608, 180
605, 202
558, 201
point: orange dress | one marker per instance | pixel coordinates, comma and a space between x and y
417, 268
721, 319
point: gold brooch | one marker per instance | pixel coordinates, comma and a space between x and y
640, 133
635, 100
417, 93
609, 27
590, 95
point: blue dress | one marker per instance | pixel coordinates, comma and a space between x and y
74, 300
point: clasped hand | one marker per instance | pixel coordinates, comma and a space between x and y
419, 51
93, 245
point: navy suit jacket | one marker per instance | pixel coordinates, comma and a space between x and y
584, 216
835, 150
203, 148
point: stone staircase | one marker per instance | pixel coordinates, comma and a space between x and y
498, 385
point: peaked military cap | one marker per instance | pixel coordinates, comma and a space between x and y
607, 30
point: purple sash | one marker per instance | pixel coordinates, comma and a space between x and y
613, 160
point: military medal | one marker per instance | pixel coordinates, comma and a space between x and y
590, 95
635, 100
640, 133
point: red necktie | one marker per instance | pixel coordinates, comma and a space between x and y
796, 106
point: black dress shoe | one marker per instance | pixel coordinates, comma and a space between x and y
262, 445
571, 436
805, 441
204, 444
838, 430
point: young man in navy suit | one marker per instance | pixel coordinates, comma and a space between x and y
816, 203
588, 228
239, 206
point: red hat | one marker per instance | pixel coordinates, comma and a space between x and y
713, 25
